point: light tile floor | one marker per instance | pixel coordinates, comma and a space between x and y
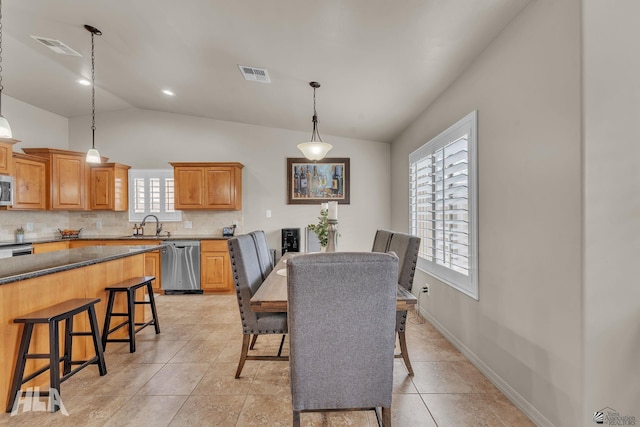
185, 377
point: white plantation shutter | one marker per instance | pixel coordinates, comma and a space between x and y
151, 191
443, 205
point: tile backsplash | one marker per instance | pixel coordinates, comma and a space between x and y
105, 223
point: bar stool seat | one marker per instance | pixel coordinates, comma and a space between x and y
52, 316
129, 286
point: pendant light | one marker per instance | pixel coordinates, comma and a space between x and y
315, 149
5, 129
93, 156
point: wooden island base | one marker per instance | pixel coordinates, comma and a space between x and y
25, 296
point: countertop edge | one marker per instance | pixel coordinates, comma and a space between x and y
73, 265
33, 241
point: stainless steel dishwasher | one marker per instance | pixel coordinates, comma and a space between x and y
181, 267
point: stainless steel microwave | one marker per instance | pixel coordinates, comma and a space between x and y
6, 190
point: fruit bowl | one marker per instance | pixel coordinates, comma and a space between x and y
69, 234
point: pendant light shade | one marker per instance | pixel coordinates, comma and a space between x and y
315, 149
5, 129
93, 156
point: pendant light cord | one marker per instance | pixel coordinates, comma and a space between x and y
1, 87
315, 133
93, 94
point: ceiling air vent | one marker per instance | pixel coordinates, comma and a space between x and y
56, 45
254, 74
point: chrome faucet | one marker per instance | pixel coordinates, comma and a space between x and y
158, 225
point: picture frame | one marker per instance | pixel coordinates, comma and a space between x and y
312, 182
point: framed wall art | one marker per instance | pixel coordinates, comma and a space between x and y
312, 182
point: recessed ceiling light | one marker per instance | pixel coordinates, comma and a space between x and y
84, 82
168, 92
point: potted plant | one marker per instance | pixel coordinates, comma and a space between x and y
20, 234
322, 228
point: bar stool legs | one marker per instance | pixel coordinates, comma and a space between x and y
52, 316
129, 286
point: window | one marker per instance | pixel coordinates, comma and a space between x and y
151, 191
443, 205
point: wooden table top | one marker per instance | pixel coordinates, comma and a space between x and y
271, 297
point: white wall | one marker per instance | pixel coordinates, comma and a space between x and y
612, 205
147, 139
525, 331
34, 127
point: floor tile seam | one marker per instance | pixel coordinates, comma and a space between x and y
122, 405
428, 410
244, 401
406, 392
152, 376
178, 411
452, 393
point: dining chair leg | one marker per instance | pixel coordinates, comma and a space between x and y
243, 354
253, 341
296, 418
281, 344
405, 354
386, 417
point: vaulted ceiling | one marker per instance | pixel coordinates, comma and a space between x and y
380, 62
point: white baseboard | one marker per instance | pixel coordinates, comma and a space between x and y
530, 411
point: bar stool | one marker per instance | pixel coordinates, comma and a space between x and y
129, 286
53, 316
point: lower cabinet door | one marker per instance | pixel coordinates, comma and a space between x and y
152, 268
215, 272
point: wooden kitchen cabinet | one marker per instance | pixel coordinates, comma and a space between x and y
152, 263
6, 154
40, 248
152, 267
68, 178
216, 186
109, 187
30, 182
215, 267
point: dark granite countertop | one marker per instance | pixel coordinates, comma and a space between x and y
30, 266
28, 241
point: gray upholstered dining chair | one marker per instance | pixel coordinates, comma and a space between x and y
248, 278
264, 254
406, 247
266, 266
381, 240
341, 334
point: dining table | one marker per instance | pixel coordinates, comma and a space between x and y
271, 297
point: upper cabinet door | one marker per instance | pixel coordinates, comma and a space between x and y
6, 150
30, 174
221, 188
68, 182
189, 186
216, 186
109, 187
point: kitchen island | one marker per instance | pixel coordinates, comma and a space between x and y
34, 282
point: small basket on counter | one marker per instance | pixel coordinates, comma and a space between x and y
69, 234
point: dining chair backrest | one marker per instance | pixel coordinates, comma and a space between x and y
406, 247
341, 334
381, 241
246, 275
264, 254
311, 241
